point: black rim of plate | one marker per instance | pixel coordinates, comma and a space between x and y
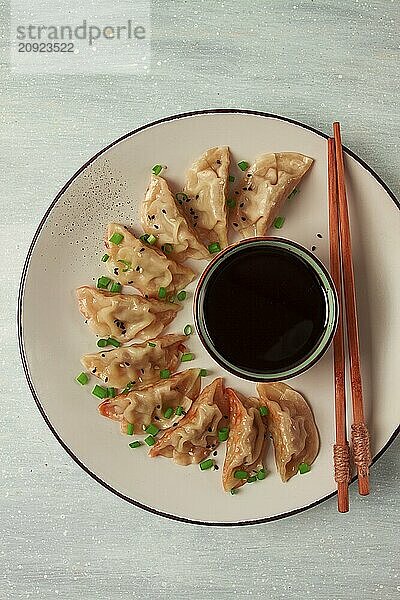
20, 313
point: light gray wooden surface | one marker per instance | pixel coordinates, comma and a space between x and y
61, 534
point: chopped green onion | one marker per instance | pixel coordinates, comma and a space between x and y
252, 479
181, 197
152, 429
105, 258
243, 165
263, 411
165, 373
112, 342
292, 194
162, 293
130, 429
116, 238
223, 434
167, 248
187, 357
304, 468
82, 378
231, 178
128, 387
168, 413
206, 464
150, 441
261, 474
234, 491
127, 264
156, 170
278, 223
152, 344
135, 444
103, 282
151, 239
179, 411
102, 343
214, 248
241, 474
231, 203
99, 392
182, 296
203, 372
144, 237
111, 392
115, 287
188, 330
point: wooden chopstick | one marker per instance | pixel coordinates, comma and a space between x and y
341, 448
359, 431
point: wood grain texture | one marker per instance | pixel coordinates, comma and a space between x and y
64, 536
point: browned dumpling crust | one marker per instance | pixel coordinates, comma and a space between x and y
163, 217
206, 189
124, 317
141, 407
196, 436
292, 426
139, 364
142, 266
264, 189
246, 444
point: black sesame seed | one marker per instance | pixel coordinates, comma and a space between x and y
116, 271
197, 196
142, 370
243, 218
156, 418
103, 355
248, 175
216, 467
236, 192
235, 224
313, 248
241, 204
218, 162
209, 429
141, 250
319, 236
164, 211
94, 370
86, 320
156, 227
127, 364
174, 424
215, 453
123, 331
105, 379
130, 281
137, 268
158, 406
187, 199
244, 189
146, 296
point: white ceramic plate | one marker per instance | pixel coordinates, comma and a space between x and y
66, 251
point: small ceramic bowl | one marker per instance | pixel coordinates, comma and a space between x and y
301, 261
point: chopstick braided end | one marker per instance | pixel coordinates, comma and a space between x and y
341, 462
361, 448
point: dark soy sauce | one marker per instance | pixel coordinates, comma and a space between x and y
264, 309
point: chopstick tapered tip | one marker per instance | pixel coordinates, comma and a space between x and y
363, 485
343, 497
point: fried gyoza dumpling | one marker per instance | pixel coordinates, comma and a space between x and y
264, 189
163, 217
149, 404
245, 447
205, 188
138, 364
197, 434
292, 426
122, 316
142, 266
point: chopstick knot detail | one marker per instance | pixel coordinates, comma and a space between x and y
361, 448
341, 462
